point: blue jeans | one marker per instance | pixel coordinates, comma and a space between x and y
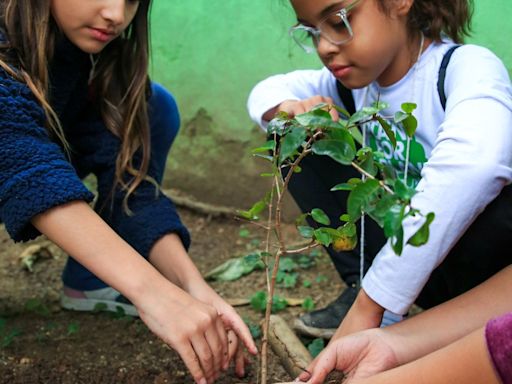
164, 122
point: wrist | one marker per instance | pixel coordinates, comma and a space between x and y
170, 258
365, 304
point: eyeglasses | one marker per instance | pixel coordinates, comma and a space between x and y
335, 28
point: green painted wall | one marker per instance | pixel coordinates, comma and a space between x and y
211, 53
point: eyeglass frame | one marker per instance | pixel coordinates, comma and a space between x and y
317, 32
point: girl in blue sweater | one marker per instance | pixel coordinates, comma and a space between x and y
75, 100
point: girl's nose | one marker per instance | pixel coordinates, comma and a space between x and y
325, 47
114, 11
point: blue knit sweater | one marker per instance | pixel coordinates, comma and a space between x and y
35, 174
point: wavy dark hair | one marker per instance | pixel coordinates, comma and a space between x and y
438, 17
120, 77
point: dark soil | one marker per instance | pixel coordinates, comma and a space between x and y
40, 343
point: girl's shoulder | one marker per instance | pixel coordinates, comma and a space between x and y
17, 102
471, 60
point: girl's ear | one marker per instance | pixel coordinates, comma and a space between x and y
401, 7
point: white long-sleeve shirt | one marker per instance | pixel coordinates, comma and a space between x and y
460, 157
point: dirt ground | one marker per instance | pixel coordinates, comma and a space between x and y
40, 343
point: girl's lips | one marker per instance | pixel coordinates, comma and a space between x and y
340, 71
102, 35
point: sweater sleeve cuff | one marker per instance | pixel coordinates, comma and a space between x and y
36, 194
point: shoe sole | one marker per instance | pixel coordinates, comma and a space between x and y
92, 305
303, 329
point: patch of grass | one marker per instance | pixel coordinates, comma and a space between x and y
7, 336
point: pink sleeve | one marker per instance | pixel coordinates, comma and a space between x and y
498, 335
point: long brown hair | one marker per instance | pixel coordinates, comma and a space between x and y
438, 17
120, 78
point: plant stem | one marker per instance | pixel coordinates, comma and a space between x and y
362, 171
281, 252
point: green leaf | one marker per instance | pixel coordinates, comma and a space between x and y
316, 346
320, 110
259, 301
38, 307
360, 197
382, 207
306, 261
317, 119
397, 241
365, 160
278, 304
345, 217
337, 144
255, 330
342, 111
306, 231
265, 157
7, 339
321, 279
421, 236
268, 146
388, 130
323, 237
343, 187
235, 268
308, 304
403, 191
393, 220
380, 105
410, 124
290, 280
400, 116
363, 114
244, 233
252, 214
306, 284
320, 217
291, 142
279, 125
287, 264
73, 327
409, 107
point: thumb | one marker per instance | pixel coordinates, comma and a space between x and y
306, 373
324, 364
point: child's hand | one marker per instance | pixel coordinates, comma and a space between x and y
359, 355
191, 327
237, 329
296, 107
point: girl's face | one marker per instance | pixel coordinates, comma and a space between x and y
92, 24
380, 48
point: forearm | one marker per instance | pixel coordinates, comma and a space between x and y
170, 258
79, 231
465, 361
450, 321
365, 313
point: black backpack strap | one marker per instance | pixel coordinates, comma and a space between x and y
442, 74
346, 97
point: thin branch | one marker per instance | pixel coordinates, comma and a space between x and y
304, 249
382, 184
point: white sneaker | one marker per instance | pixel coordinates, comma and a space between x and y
104, 299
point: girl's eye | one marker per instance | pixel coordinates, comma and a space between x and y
336, 22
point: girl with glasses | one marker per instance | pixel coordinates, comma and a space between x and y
460, 160
76, 100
